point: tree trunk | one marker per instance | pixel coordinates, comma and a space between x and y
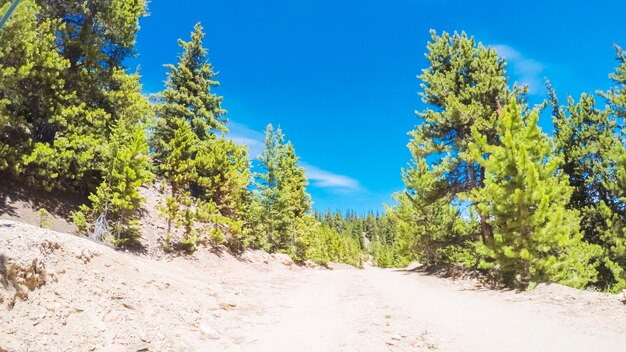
486, 232
525, 275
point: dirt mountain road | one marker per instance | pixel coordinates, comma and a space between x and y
386, 310
88, 297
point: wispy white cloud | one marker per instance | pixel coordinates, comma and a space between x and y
320, 178
526, 70
326, 179
244, 135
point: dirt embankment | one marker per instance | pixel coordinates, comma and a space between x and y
60, 292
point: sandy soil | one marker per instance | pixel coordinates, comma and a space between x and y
88, 297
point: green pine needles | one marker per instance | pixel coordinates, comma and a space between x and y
283, 202
536, 238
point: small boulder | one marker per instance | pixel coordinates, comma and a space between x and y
284, 259
256, 257
310, 264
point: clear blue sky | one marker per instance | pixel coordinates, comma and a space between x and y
339, 76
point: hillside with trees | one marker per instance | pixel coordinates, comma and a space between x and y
75, 119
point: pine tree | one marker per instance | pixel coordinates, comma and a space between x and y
536, 238
94, 40
294, 182
429, 229
31, 82
282, 195
117, 199
222, 184
223, 176
179, 170
586, 138
614, 211
617, 95
614, 238
187, 96
274, 201
463, 86
371, 227
323, 244
219, 169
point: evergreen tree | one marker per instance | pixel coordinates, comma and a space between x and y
223, 176
188, 97
179, 170
282, 195
322, 244
371, 227
536, 238
614, 239
614, 211
586, 138
222, 184
349, 225
31, 81
117, 199
294, 182
274, 200
75, 123
462, 86
217, 171
429, 229
94, 39
617, 95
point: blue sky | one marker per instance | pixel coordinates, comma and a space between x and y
339, 76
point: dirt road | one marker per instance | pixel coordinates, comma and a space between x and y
96, 299
386, 310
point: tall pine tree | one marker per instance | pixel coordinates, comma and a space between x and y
179, 170
188, 97
617, 95
117, 200
615, 236
591, 148
462, 86
217, 170
429, 229
95, 38
31, 82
